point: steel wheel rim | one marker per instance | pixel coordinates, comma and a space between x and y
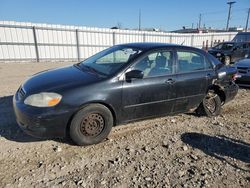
92, 125
210, 104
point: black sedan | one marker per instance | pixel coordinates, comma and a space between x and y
230, 52
243, 75
121, 84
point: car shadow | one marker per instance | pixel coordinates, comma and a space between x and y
219, 147
9, 128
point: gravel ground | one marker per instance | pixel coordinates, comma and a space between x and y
175, 151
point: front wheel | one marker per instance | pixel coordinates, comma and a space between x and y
210, 106
91, 125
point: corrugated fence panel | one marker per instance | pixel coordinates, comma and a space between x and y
157, 38
56, 44
28, 41
184, 40
128, 37
91, 42
16, 43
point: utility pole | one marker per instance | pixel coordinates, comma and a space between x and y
229, 12
140, 20
247, 19
199, 26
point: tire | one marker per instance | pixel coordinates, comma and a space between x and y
210, 106
91, 125
227, 60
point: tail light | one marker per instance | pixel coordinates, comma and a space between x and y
235, 76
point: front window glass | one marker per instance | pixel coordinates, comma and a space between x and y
107, 62
224, 46
156, 64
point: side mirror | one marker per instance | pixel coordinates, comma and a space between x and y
134, 74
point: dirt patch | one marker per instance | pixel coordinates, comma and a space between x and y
175, 151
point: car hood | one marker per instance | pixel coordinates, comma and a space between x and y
243, 63
59, 79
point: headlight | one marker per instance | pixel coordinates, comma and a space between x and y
43, 99
218, 54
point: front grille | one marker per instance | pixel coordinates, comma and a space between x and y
21, 93
243, 70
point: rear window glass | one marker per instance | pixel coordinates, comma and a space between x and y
191, 61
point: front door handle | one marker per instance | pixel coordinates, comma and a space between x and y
170, 81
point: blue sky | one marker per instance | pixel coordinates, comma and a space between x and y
164, 14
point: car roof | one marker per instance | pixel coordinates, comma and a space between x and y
150, 45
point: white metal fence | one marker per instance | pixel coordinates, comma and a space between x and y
41, 42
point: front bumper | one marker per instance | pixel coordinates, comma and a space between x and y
41, 122
243, 80
230, 92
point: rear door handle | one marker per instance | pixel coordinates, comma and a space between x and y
170, 81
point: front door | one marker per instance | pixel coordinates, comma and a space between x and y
154, 94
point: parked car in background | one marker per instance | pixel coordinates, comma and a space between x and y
243, 75
242, 36
230, 52
121, 84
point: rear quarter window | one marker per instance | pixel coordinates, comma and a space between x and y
214, 60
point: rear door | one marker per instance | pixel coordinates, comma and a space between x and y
194, 74
154, 94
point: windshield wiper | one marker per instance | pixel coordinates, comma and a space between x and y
77, 65
90, 69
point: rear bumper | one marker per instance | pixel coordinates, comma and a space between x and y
230, 92
41, 122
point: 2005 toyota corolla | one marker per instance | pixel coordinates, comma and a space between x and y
123, 83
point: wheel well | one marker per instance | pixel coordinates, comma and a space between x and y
217, 89
82, 106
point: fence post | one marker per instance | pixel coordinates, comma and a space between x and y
206, 45
144, 37
113, 38
77, 46
35, 44
170, 38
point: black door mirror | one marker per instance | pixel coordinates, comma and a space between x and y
134, 74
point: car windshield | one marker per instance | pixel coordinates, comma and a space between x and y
109, 61
224, 46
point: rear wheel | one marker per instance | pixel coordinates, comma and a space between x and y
210, 106
91, 125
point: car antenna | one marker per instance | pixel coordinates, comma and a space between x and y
182, 42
